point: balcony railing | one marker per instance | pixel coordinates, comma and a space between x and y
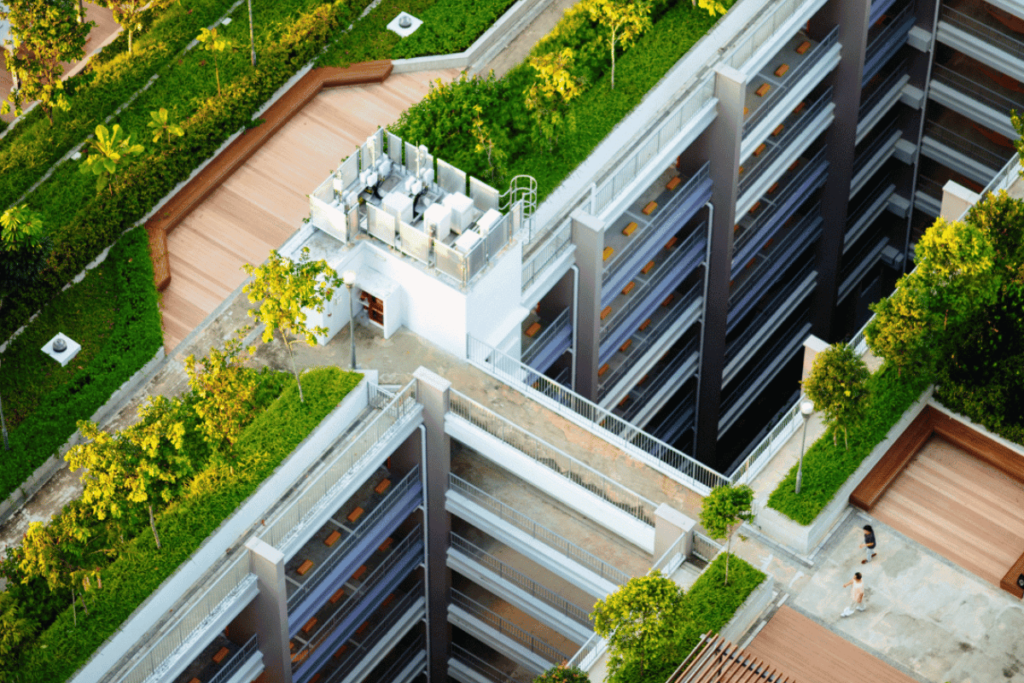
552, 329
553, 247
331, 477
772, 20
232, 666
980, 30
399, 664
659, 376
880, 91
705, 548
886, 43
679, 419
521, 581
976, 91
652, 145
538, 531
478, 665
368, 523
507, 628
871, 150
589, 415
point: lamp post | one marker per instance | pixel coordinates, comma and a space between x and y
349, 278
806, 408
3, 426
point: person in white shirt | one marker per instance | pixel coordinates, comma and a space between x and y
859, 601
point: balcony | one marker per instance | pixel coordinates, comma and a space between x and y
928, 196
878, 8
885, 40
223, 660
635, 238
767, 217
466, 667
673, 423
787, 143
800, 74
985, 33
649, 395
373, 514
873, 156
855, 267
867, 210
544, 342
983, 100
968, 151
880, 96
547, 263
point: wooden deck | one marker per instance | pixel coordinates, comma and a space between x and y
962, 508
810, 653
264, 202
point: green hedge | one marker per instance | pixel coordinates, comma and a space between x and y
827, 466
114, 308
184, 525
711, 604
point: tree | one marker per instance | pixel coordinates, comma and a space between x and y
624, 21
563, 674
24, 248
284, 290
111, 150
713, 7
15, 628
722, 510
135, 467
212, 42
128, 14
899, 329
46, 33
837, 384
225, 390
554, 86
641, 621
955, 263
160, 125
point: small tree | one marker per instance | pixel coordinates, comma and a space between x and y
136, 466
563, 674
110, 152
284, 290
128, 14
554, 87
46, 34
837, 384
24, 247
225, 389
955, 264
713, 7
899, 331
212, 42
624, 21
725, 508
641, 621
161, 125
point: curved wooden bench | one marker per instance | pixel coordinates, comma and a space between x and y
1009, 582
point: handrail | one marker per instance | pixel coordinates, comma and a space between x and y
986, 33
554, 246
889, 30
552, 457
231, 667
882, 89
538, 531
772, 20
550, 331
324, 484
366, 523
507, 628
468, 659
397, 665
704, 547
878, 142
972, 149
695, 475
520, 580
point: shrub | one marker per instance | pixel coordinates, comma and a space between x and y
562, 674
837, 386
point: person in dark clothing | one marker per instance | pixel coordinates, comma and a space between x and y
868, 544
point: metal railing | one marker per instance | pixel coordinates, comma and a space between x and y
231, 667
882, 89
399, 664
521, 581
771, 22
366, 523
901, 23
970, 86
198, 614
507, 628
553, 458
332, 476
704, 547
538, 531
879, 142
652, 145
636, 350
551, 330
695, 475
553, 247
969, 149
781, 87
471, 661
987, 34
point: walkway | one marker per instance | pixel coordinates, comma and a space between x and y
259, 207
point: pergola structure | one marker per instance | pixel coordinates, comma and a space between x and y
716, 659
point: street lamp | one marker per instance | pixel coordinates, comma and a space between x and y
806, 408
349, 278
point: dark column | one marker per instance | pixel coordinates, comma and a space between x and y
588, 236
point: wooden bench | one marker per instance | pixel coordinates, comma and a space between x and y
740, 171
774, 187
646, 269
221, 654
340, 651
1010, 582
362, 628
795, 165
385, 483
668, 300
333, 538
300, 657
781, 71
760, 149
628, 288
195, 680
778, 129
746, 110
388, 600
645, 324
623, 402
800, 107
629, 229
604, 369
386, 545
606, 312
358, 574
533, 329
673, 183
338, 595
671, 243
606, 254
355, 514
304, 567
803, 47
309, 625
755, 207
763, 90
649, 209
316, 677
626, 345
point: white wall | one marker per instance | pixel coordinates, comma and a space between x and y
493, 308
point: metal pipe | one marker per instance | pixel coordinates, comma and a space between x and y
426, 536
575, 327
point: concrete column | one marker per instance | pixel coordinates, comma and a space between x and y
267, 615
956, 199
841, 139
812, 347
669, 525
588, 236
432, 393
722, 146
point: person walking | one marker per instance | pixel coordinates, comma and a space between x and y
868, 544
859, 601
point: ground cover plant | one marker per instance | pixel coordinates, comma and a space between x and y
113, 313
223, 477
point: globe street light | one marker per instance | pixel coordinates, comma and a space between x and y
349, 278
806, 408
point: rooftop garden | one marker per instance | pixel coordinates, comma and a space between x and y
956, 321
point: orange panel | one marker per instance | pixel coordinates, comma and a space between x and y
333, 538
649, 209
763, 90
382, 486
674, 183
629, 229
304, 567
533, 329
781, 71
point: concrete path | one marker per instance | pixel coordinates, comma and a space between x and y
520, 47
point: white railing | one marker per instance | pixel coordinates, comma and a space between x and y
771, 22
202, 612
652, 145
560, 325
331, 477
555, 245
600, 421
507, 628
705, 548
232, 666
